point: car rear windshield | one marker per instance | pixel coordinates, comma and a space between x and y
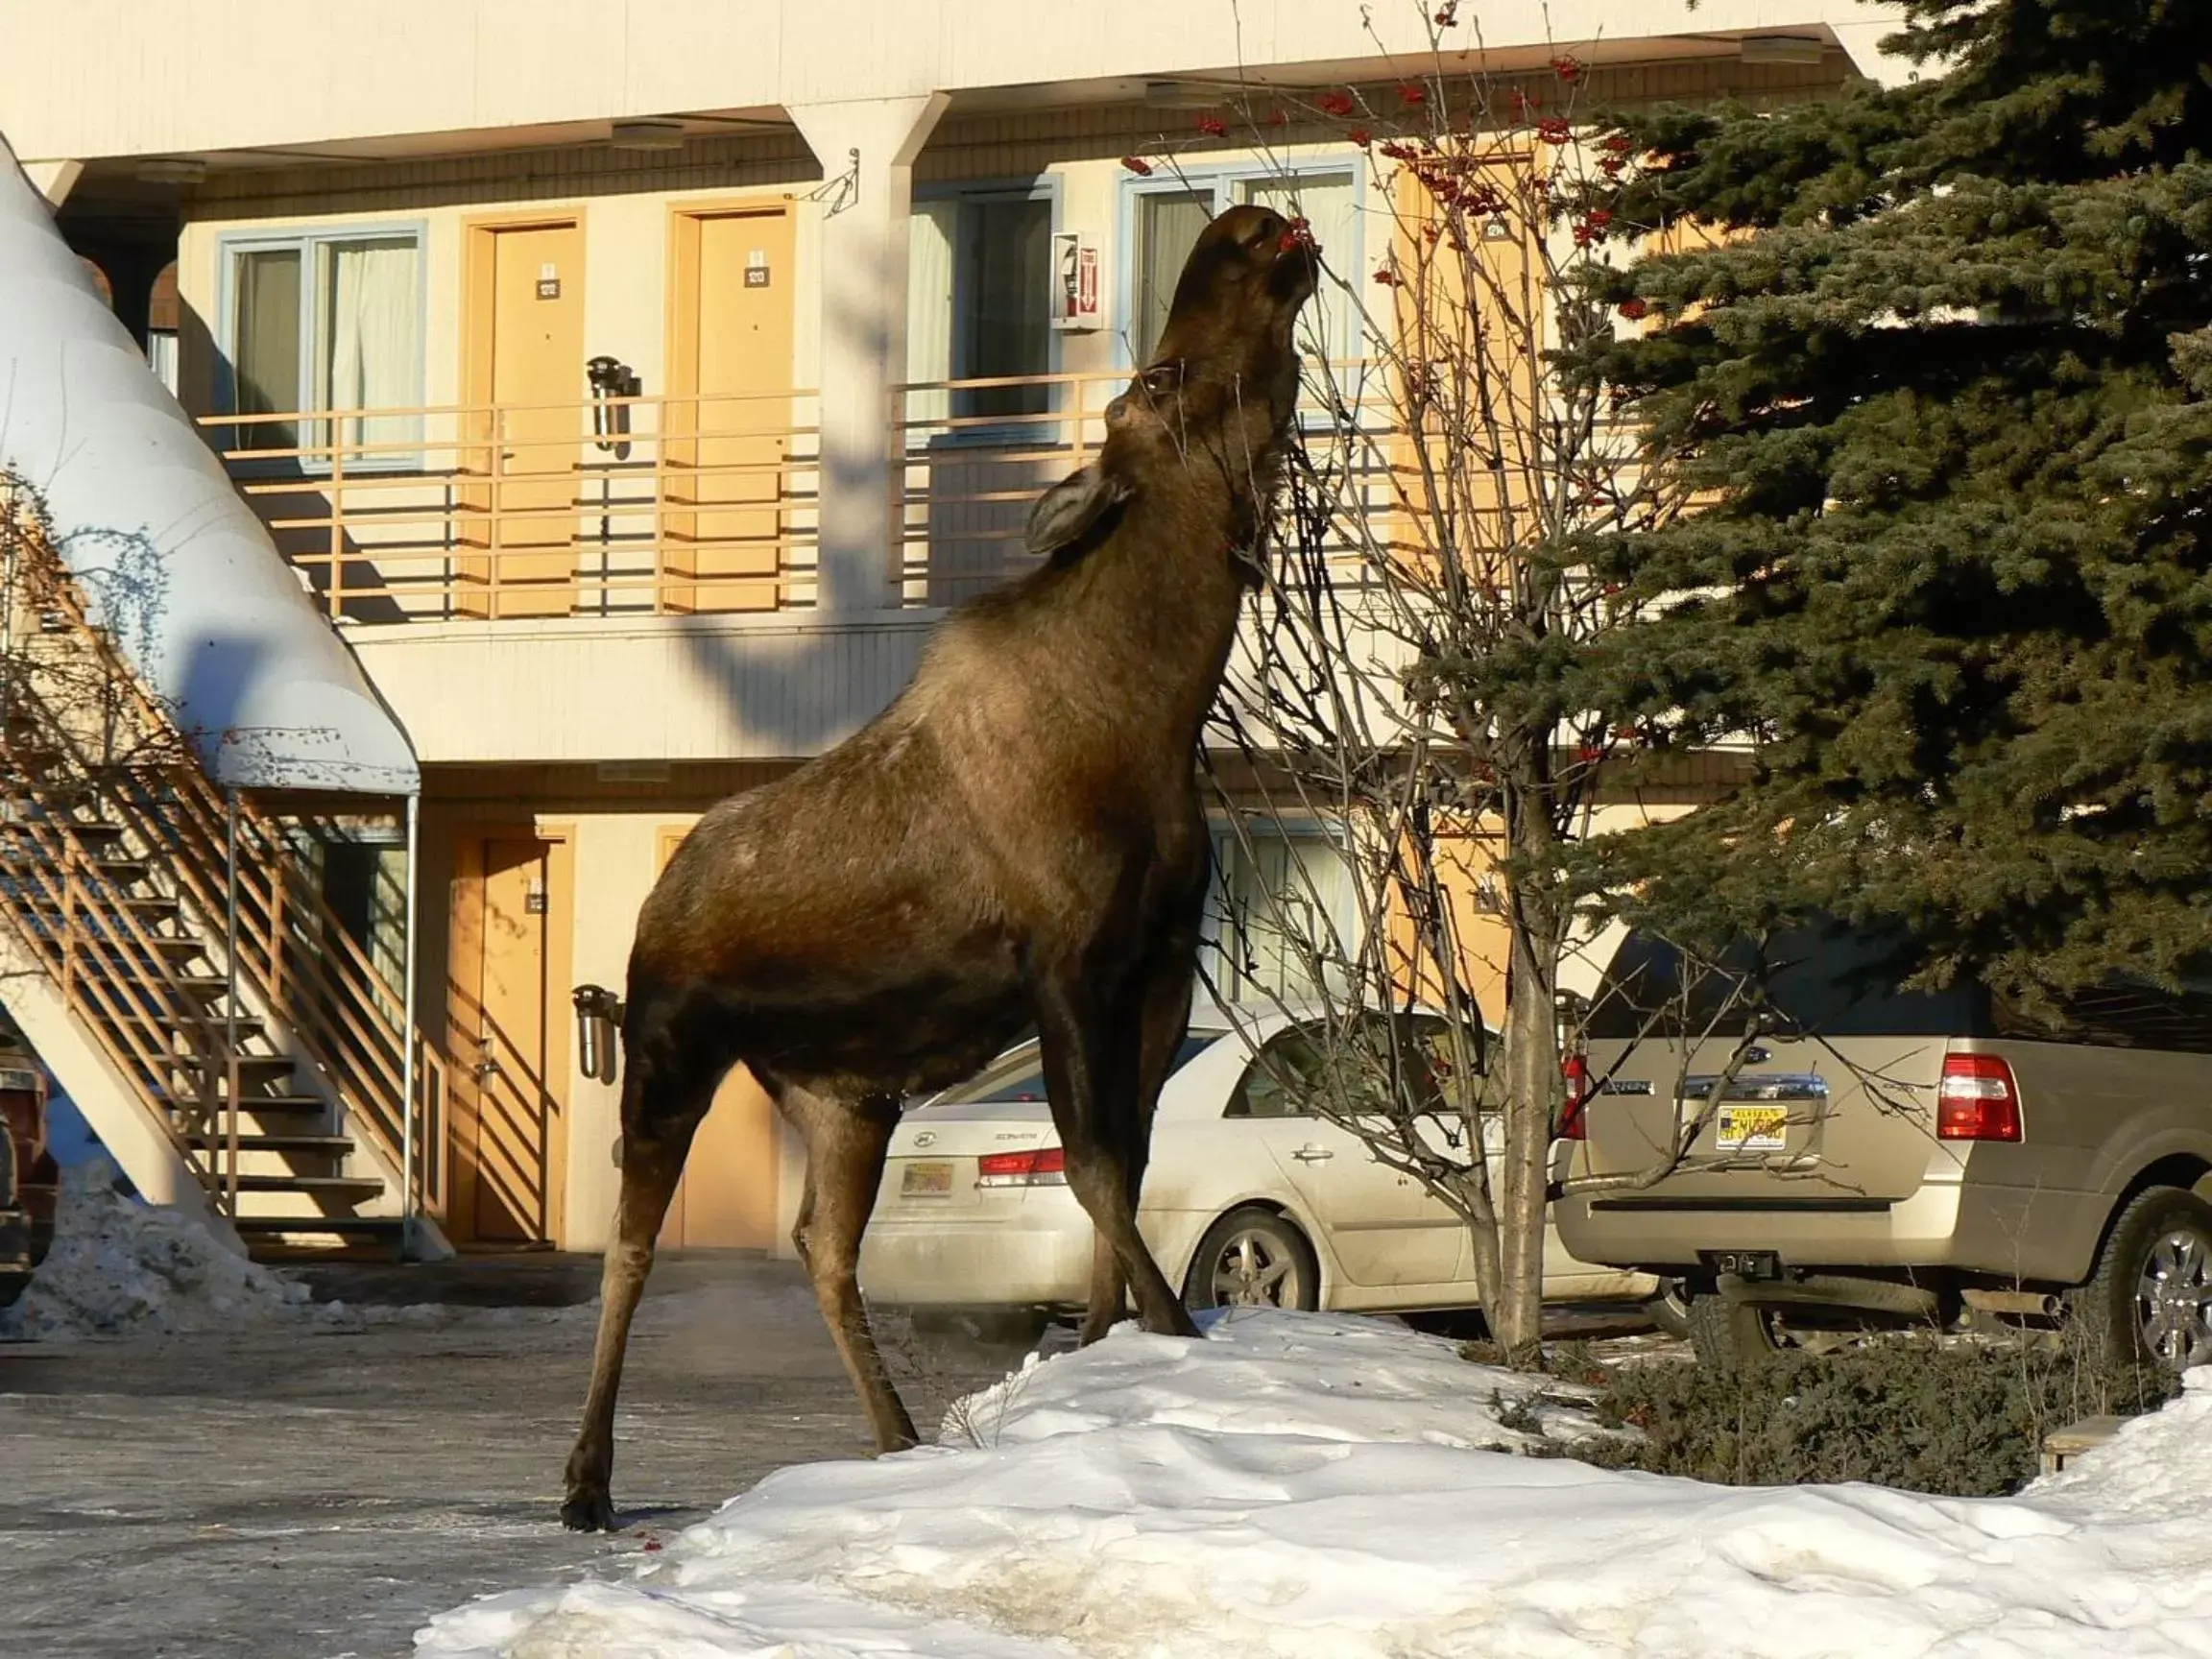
1017, 1075
1832, 980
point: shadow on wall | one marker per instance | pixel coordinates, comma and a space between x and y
776, 687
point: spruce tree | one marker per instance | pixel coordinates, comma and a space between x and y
1948, 377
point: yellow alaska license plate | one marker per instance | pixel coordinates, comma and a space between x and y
926, 1178
1745, 1128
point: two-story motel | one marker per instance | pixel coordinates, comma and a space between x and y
691, 357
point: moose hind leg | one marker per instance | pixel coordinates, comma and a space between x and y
846, 1143
1092, 1081
655, 1140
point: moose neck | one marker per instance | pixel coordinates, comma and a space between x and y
1162, 598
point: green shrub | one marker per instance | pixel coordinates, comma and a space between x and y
1966, 1419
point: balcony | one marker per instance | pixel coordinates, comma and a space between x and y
660, 507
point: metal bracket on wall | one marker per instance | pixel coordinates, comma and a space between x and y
841, 192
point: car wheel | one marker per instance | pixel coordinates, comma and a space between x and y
1252, 1258
1669, 1309
2152, 1295
1730, 1335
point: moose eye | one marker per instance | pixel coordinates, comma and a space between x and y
1269, 230
1162, 377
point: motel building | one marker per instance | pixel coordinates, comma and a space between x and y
594, 407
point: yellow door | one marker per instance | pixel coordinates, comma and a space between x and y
729, 413
526, 375
727, 1198
504, 1112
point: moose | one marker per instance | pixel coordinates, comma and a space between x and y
1017, 840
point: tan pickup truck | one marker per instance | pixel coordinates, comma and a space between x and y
1866, 1154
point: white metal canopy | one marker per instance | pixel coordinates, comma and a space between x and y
173, 562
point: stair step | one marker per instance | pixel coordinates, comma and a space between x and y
270, 1105
142, 905
346, 1188
92, 831
349, 1226
297, 1146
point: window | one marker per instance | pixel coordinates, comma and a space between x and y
1284, 1076
1281, 913
1165, 222
978, 298
326, 321
1017, 1075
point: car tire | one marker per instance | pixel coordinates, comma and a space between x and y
1669, 1309
1252, 1258
1730, 1335
2151, 1297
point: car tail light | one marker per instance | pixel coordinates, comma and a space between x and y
1044, 1167
1572, 1123
1976, 1099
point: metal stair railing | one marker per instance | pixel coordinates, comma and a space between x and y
242, 890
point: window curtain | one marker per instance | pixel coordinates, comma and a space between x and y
1168, 224
265, 343
1006, 289
1272, 894
1329, 324
930, 241
371, 329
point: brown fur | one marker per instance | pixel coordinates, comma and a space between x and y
1018, 838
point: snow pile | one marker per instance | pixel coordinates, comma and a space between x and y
1308, 1485
121, 1269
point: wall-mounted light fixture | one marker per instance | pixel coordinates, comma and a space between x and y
1780, 48
610, 378
647, 132
171, 170
598, 1016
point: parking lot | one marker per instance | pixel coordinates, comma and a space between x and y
320, 1491
304, 1493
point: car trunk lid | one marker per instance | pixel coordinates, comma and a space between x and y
937, 1151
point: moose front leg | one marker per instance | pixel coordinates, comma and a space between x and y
1092, 1081
1164, 1023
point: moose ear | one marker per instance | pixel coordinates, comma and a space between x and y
1067, 511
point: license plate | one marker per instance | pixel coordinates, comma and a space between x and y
932, 1179
1752, 1128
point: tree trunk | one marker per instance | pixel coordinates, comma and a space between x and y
1532, 1077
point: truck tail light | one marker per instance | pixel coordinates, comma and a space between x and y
1042, 1166
1572, 1123
1976, 1099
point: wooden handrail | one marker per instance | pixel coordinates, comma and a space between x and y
292, 956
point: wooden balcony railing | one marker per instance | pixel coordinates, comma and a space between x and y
672, 506
637, 506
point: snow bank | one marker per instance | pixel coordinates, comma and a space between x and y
118, 1267
1313, 1486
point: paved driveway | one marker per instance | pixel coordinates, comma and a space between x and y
308, 1494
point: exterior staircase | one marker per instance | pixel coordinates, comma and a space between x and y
180, 930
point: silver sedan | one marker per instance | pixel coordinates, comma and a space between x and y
1249, 1198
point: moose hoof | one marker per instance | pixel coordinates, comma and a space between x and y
589, 1510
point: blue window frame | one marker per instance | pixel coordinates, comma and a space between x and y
1161, 217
